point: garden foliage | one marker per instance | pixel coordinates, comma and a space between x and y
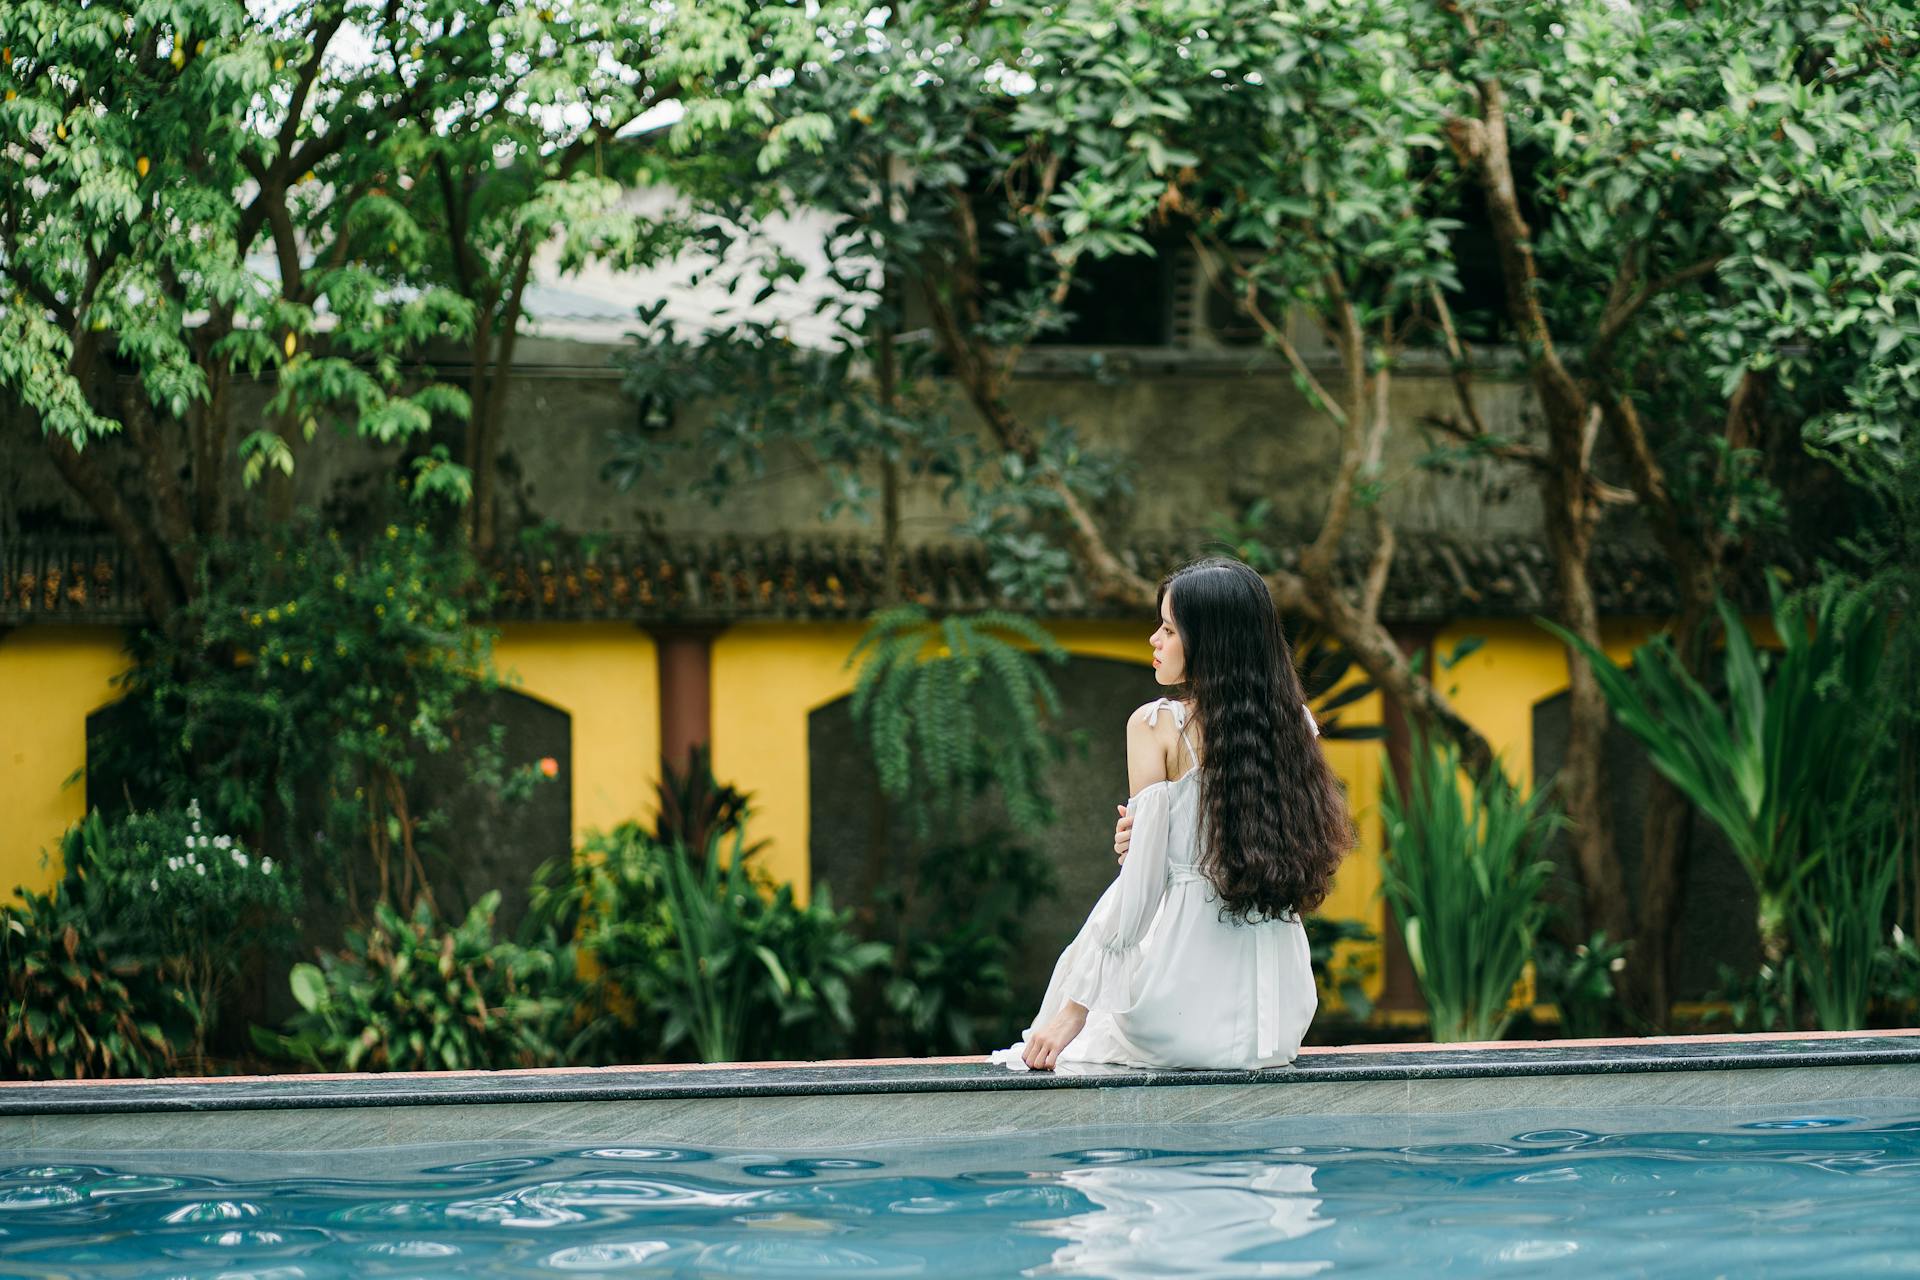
310, 678
414, 993
205, 907
956, 705
1465, 872
83, 996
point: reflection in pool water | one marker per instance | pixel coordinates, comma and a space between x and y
1153, 1221
1607, 1193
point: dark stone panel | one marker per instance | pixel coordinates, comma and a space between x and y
490, 842
483, 841
1717, 900
853, 836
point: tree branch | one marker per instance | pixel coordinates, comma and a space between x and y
1457, 362
1248, 300
1622, 306
1108, 577
1357, 435
81, 470
162, 474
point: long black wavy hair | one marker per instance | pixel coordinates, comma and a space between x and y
1273, 817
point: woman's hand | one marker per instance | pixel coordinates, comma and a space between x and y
1044, 1046
1122, 834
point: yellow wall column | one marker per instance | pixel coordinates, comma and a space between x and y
767, 678
51, 679
602, 675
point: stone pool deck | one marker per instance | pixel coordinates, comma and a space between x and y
812, 1105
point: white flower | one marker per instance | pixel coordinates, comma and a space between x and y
206, 842
266, 866
1617, 964
197, 867
154, 885
1557, 30
173, 864
223, 842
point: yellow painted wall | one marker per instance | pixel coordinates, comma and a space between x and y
605, 676
767, 678
1496, 688
51, 679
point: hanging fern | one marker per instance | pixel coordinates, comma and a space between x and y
954, 706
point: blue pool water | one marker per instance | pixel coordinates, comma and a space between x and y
1602, 1193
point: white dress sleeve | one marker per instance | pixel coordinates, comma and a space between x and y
1107, 953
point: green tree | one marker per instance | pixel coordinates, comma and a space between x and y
204, 198
1706, 258
970, 160
1719, 268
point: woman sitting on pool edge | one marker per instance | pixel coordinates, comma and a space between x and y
1195, 955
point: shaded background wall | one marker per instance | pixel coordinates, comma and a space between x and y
1205, 435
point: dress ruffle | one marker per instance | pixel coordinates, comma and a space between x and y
1104, 978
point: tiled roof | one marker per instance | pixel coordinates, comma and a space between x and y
691, 580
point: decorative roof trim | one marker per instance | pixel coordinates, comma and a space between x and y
693, 581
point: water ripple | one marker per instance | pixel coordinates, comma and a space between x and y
1762, 1193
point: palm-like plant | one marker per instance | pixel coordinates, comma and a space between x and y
752, 967
949, 703
1465, 873
1782, 767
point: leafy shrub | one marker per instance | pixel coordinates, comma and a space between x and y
1579, 982
955, 922
201, 902
1348, 980
704, 950
80, 1000
1758, 1001
606, 902
759, 975
1786, 768
1466, 880
1838, 922
695, 805
1897, 980
299, 692
413, 995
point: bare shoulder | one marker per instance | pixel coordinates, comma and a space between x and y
1142, 720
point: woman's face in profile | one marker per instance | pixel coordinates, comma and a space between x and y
1169, 656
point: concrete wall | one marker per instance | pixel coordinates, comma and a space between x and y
1204, 435
1204, 432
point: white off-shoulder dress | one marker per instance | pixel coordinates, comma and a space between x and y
1166, 981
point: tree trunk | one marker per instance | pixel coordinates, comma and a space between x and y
1572, 422
159, 593
1582, 781
484, 416
887, 385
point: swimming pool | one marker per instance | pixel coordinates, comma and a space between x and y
1679, 1192
1688, 1156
